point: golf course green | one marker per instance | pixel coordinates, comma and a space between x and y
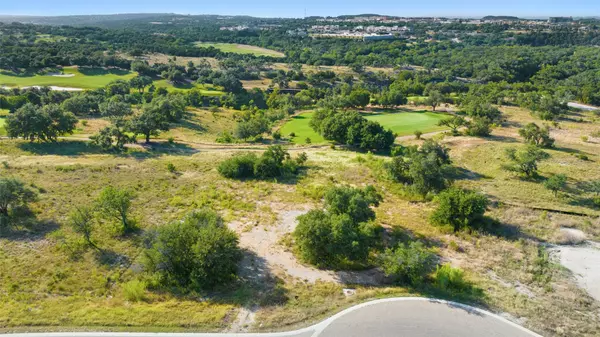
71, 77
90, 78
402, 123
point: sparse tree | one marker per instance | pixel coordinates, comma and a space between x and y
537, 136
114, 203
454, 123
556, 183
434, 99
82, 221
525, 161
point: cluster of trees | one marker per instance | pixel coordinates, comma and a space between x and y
350, 128
275, 162
426, 169
45, 123
341, 234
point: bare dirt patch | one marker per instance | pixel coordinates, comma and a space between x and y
264, 241
583, 261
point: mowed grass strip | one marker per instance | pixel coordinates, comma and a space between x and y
240, 49
402, 123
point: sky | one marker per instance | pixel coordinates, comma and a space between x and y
282, 8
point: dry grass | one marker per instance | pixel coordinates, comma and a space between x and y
42, 283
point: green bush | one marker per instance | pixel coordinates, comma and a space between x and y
425, 170
408, 263
537, 136
556, 183
198, 252
240, 166
135, 291
340, 234
460, 209
14, 198
525, 161
448, 278
273, 163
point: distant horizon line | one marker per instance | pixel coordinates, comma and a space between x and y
541, 17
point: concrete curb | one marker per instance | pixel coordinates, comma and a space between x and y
316, 329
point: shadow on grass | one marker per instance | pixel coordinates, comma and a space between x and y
256, 286
461, 173
110, 258
502, 139
189, 123
28, 229
61, 148
102, 71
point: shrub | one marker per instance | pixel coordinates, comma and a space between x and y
525, 161
198, 252
537, 136
340, 233
479, 127
460, 209
426, 169
273, 163
171, 168
408, 263
292, 134
240, 166
448, 278
308, 140
135, 291
418, 134
14, 196
277, 135
556, 183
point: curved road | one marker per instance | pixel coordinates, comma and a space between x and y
394, 317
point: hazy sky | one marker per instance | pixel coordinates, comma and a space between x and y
282, 8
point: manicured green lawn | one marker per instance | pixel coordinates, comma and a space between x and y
241, 49
402, 123
299, 126
406, 123
84, 78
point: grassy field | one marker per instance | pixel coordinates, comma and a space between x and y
91, 78
402, 123
49, 282
241, 49
299, 125
84, 78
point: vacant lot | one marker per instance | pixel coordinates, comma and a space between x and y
48, 282
403, 123
241, 49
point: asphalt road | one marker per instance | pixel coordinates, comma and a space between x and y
414, 317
